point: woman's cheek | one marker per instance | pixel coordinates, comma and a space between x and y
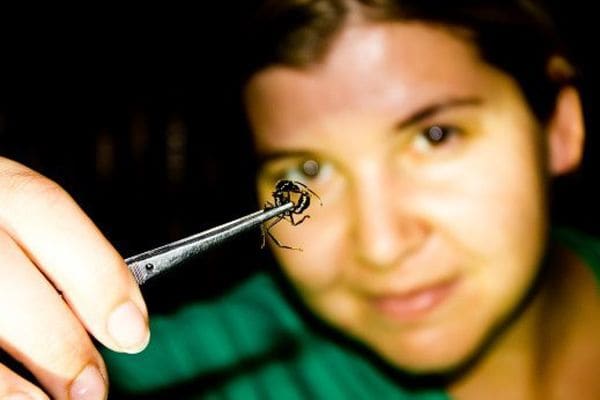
324, 244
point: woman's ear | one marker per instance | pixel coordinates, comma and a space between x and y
565, 132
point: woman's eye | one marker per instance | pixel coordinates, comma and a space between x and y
306, 171
435, 136
310, 168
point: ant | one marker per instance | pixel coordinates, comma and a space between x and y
284, 190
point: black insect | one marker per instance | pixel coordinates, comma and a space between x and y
289, 191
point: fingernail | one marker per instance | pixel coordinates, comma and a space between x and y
89, 385
128, 327
17, 396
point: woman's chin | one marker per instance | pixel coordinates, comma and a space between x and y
432, 357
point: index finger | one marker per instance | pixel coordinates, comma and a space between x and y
69, 249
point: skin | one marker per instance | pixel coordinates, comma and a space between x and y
421, 248
47, 244
399, 216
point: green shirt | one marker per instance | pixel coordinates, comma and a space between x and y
253, 344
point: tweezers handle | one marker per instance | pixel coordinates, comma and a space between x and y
153, 262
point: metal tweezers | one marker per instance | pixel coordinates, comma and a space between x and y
153, 262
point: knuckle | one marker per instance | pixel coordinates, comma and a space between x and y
66, 368
36, 184
69, 356
5, 384
11, 383
25, 187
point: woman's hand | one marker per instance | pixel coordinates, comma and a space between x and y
60, 279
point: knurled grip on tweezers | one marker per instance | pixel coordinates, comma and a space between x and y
153, 262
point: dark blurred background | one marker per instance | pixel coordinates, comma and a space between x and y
137, 115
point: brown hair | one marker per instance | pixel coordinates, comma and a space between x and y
516, 36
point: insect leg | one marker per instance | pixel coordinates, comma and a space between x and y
267, 231
279, 244
264, 230
295, 223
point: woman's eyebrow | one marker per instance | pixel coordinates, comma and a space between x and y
264, 157
435, 108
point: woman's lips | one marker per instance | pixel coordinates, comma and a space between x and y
417, 303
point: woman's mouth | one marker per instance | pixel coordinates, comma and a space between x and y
415, 304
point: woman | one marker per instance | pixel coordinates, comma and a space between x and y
431, 134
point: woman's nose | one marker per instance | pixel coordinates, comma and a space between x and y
384, 228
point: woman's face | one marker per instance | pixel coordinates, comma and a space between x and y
432, 176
